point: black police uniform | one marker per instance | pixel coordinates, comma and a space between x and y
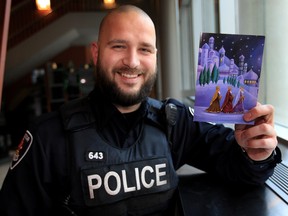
89, 159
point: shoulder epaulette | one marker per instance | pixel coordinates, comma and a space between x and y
156, 112
77, 114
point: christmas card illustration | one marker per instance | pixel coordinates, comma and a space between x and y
228, 75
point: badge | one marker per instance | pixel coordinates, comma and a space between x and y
22, 149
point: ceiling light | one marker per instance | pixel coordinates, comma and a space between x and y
43, 5
109, 3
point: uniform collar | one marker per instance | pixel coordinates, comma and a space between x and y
104, 110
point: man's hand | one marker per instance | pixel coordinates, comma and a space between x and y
258, 140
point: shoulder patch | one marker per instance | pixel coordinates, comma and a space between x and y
22, 149
191, 110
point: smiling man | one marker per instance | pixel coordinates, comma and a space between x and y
125, 56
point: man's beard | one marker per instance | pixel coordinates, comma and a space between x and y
112, 92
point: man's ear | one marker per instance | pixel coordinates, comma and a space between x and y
94, 52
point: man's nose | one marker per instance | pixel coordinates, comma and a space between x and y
131, 59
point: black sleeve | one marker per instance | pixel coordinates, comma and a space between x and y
30, 187
213, 149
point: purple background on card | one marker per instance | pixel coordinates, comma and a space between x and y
225, 51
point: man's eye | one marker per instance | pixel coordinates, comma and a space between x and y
145, 50
118, 47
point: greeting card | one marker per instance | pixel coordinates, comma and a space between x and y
228, 75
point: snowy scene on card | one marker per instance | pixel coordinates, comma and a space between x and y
228, 76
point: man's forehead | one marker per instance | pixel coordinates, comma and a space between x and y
129, 17
121, 26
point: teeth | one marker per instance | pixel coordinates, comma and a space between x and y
129, 75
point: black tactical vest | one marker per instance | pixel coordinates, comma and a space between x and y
106, 180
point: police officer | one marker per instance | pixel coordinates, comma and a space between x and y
115, 152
